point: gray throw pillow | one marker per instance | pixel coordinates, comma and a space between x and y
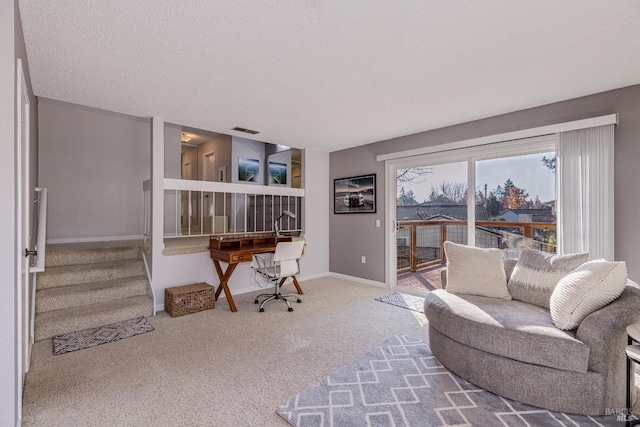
537, 273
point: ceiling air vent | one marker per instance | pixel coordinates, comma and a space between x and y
252, 132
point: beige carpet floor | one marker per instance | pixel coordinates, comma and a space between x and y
214, 368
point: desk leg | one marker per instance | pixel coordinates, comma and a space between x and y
224, 279
295, 282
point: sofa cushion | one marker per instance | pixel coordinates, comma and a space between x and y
536, 274
475, 271
586, 289
512, 329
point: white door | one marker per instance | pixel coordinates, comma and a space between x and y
208, 174
209, 166
23, 204
187, 173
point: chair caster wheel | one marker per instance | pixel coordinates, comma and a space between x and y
299, 301
256, 302
290, 309
261, 310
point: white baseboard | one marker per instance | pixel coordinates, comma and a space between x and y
360, 280
94, 239
255, 288
313, 276
235, 292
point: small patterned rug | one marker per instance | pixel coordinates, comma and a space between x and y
95, 336
401, 383
411, 302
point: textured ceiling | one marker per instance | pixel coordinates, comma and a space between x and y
328, 74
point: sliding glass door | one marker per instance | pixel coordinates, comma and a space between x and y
516, 202
430, 208
495, 196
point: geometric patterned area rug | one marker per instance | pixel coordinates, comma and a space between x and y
104, 334
411, 302
400, 383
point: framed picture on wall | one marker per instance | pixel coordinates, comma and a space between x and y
355, 194
248, 169
277, 173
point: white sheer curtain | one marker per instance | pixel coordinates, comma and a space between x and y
585, 192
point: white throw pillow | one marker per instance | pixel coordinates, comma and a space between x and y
475, 271
586, 289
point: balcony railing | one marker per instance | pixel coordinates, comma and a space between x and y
200, 208
420, 243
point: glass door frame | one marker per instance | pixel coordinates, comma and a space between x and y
471, 155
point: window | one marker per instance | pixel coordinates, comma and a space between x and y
512, 202
516, 196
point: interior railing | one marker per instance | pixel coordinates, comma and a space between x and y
39, 230
420, 243
200, 208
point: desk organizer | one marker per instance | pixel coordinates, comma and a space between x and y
181, 300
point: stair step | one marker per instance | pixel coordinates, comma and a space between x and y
52, 323
87, 253
90, 293
76, 274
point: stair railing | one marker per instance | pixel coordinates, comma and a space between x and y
39, 230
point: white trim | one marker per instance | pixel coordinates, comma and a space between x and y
95, 239
157, 195
488, 151
256, 288
390, 248
145, 258
491, 139
227, 187
23, 231
359, 280
312, 276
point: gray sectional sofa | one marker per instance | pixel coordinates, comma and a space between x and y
513, 349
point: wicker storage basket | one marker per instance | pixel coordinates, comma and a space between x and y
182, 300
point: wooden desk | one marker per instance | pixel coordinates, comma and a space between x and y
235, 250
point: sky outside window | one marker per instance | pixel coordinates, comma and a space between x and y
527, 172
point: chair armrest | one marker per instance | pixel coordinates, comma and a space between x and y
604, 331
262, 261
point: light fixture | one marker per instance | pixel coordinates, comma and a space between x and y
185, 137
275, 223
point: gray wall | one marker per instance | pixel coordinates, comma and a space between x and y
172, 155
354, 235
93, 162
249, 149
221, 146
279, 157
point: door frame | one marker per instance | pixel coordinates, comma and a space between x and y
206, 170
449, 153
23, 219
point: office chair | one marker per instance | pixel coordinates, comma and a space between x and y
276, 268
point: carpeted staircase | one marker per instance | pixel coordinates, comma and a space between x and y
87, 285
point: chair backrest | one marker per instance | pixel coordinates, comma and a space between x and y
286, 251
286, 257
